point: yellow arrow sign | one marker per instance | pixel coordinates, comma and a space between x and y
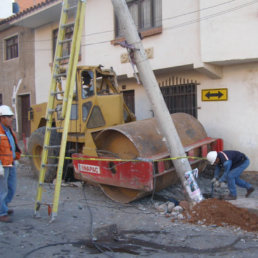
215, 95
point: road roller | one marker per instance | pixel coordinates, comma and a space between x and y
133, 159
128, 159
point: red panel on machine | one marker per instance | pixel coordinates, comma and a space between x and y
134, 175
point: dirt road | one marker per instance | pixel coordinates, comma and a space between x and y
90, 225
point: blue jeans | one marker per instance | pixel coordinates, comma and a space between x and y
233, 178
7, 188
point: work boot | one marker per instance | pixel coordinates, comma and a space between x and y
249, 191
229, 197
10, 212
5, 218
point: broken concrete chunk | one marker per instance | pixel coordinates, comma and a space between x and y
180, 216
178, 209
171, 205
162, 207
174, 214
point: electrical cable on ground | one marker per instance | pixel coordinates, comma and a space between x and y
93, 238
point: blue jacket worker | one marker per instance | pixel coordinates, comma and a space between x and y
234, 163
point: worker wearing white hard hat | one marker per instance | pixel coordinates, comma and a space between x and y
9, 152
212, 156
233, 163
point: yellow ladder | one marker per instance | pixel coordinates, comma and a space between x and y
68, 9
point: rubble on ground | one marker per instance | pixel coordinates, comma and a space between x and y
221, 213
212, 212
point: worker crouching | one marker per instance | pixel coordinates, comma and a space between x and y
9, 152
234, 163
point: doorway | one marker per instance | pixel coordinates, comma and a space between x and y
25, 106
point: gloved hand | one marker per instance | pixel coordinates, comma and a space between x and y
213, 180
1, 170
223, 185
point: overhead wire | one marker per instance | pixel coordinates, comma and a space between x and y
212, 15
164, 19
199, 10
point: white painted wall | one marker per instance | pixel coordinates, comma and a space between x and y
231, 34
174, 47
217, 35
234, 120
43, 59
184, 40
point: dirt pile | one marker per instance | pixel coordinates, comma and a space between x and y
221, 213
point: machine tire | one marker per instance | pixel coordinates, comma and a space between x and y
35, 147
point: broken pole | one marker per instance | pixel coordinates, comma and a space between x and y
148, 79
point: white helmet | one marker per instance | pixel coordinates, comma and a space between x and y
212, 156
6, 111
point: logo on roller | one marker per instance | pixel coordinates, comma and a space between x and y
83, 168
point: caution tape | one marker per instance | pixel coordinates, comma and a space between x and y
119, 160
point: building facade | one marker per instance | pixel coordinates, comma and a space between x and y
17, 72
204, 54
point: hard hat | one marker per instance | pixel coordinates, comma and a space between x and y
6, 111
211, 156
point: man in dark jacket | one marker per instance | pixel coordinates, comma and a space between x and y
234, 163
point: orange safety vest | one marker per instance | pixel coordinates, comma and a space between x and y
6, 154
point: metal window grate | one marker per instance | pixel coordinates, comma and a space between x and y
180, 95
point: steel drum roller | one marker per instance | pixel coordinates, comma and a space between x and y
143, 139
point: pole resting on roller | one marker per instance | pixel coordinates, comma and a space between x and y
147, 77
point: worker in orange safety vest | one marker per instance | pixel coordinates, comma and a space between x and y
9, 153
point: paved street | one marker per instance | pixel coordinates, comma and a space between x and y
90, 225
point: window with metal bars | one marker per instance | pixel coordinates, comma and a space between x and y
11, 48
181, 98
147, 14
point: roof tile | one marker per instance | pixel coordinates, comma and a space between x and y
29, 9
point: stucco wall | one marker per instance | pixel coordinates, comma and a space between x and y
230, 32
188, 37
43, 61
174, 47
234, 120
22, 67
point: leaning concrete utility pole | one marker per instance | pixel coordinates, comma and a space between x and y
161, 113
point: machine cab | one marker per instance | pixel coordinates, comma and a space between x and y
101, 103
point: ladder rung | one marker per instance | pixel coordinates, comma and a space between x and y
70, 8
57, 75
67, 25
50, 111
44, 184
54, 93
49, 165
61, 70
65, 41
62, 58
52, 146
54, 128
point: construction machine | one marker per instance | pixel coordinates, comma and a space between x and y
128, 159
